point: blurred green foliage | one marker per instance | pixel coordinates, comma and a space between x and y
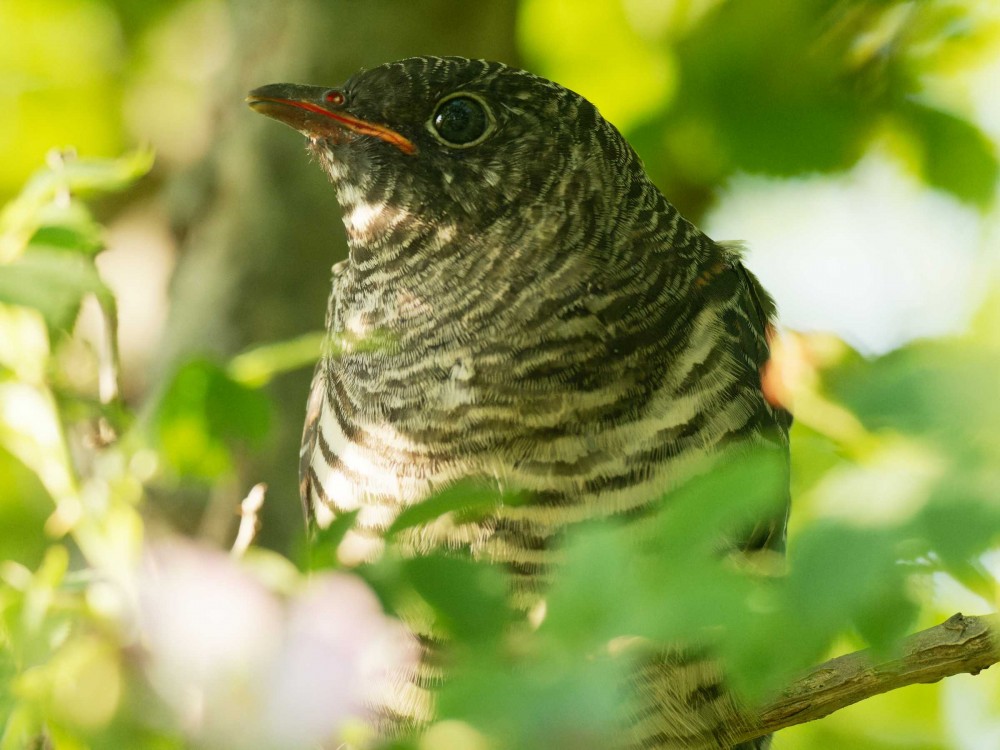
62, 66
202, 415
704, 88
895, 481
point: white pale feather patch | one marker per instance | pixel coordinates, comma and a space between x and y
446, 234
356, 549
374, 516
362, 216
356, 324
322, 514
338, 488
537, 614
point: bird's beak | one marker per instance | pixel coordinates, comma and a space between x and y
317, 112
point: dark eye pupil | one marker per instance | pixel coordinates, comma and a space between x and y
460, 120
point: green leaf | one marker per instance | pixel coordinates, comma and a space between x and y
840, 578
204, 415
22, 217
469, 598
887, 612
80, 235
959, 523
785, 106
544, 701
957, 527
323, 548
23, 728
724, 501
670, 580
599, 593
24, 508
86, 176
934, 389
468, 499
52, 282
258, 366
841, 575
957, 156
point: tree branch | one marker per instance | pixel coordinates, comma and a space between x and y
960, 644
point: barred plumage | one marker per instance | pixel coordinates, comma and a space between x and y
556, 326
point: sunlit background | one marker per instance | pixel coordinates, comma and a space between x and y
852, 145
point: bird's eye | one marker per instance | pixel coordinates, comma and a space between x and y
461, 121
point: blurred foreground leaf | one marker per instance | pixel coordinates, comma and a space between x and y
938, 390
467, 500
204, 415
956, 155
322, 551
469, 598
256, 367
49, 190
53, 282
24, 507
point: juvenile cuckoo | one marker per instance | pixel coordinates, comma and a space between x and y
556, 326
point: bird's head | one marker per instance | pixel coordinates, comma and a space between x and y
446, 147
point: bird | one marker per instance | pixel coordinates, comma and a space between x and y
554, 324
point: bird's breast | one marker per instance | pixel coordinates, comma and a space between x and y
588, 424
